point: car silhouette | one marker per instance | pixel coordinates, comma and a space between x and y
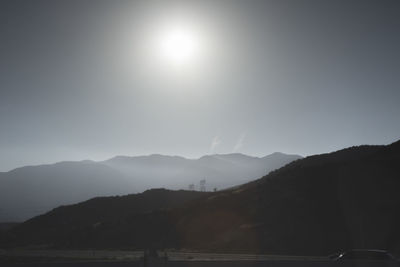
366, 257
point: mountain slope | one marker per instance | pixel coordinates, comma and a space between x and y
73, 224
29, 191
314, 206
318, 205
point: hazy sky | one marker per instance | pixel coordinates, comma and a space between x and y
85, 80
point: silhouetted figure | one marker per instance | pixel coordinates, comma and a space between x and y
153, 253
145, 258
151, 259
165, 258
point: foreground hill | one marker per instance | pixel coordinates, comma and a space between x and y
314, 206
73, 223
29, 191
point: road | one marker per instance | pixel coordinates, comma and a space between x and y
52, 258
204, 264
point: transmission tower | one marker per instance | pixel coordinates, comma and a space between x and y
203, 185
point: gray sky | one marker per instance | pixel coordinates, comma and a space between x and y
82, 80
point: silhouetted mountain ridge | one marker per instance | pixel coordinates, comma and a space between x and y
313, 206
28, 191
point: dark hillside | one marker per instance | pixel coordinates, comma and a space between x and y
317, 205
313, 206
77, 225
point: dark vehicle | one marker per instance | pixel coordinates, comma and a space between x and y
367, 257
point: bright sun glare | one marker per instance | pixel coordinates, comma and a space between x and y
179, 45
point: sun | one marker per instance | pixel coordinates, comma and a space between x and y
179, 45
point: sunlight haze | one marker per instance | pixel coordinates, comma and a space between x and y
92, 80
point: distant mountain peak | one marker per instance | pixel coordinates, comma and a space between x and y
228, 155
46, 186
151, 156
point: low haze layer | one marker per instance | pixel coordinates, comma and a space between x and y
29, 191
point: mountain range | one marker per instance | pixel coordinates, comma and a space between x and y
318, 205
29, 191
